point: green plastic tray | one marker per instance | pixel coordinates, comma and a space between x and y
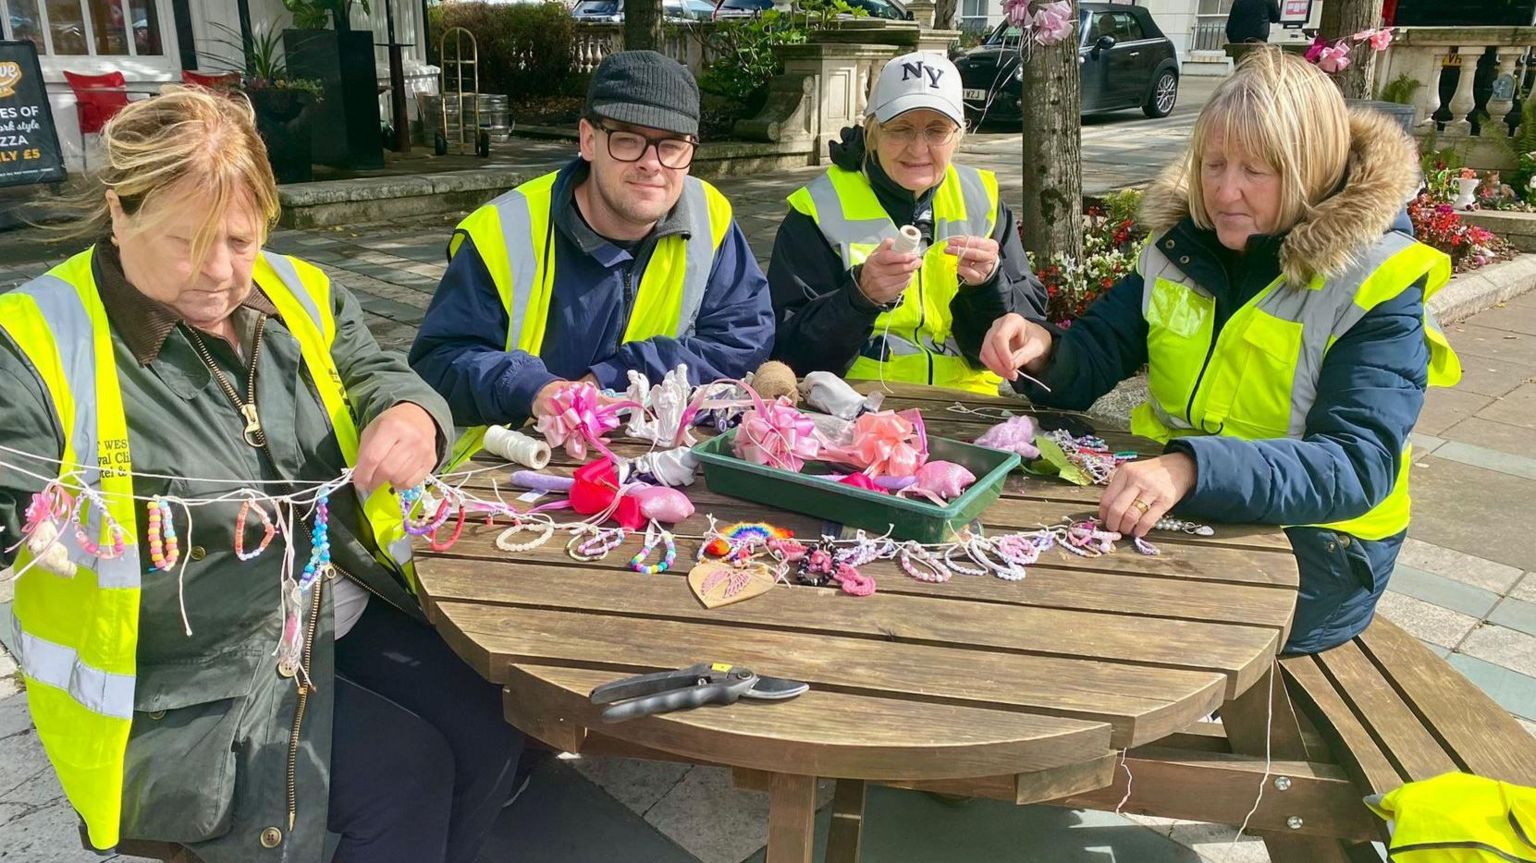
807, 494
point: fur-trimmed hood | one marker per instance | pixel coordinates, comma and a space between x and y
1383, 174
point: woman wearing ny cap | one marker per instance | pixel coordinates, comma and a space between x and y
847, 297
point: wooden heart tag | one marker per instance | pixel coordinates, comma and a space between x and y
717, 584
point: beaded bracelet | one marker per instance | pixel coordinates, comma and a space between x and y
118, 536
161, 532
651, 540
269, 530
978, 547
957, 566
426, 524
922, 564
1181, 526
319, 562
545, 531
438, 545
597, 546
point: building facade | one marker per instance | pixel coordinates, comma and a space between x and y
152, 41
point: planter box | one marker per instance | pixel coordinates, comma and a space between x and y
1516, 227
345, 124
283, 121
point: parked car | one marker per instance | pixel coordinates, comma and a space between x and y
612, 11
741, 8
1126, 62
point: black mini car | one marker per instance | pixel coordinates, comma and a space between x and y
1126, 60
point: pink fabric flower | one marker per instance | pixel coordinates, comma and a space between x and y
579, 416
1334, 58
1379, 39
888, 443
776, 434
1053, 22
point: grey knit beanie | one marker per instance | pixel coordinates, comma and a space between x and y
644, 88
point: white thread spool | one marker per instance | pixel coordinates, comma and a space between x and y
514, 446
907, 240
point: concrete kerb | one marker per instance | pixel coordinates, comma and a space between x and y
367, 199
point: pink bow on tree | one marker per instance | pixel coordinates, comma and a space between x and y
1046, 24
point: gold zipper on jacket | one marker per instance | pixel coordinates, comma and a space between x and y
298, 715
254, 436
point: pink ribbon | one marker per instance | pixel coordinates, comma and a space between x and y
775, 434
886, 443
581, 416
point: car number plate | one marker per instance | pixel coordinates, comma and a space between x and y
975, 94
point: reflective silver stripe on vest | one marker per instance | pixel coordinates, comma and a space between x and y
75, 339
60, 667
842, 232
699, 256
517, 237
1325, 314
290, 276
978, 209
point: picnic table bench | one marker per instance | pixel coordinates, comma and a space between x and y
1056, 689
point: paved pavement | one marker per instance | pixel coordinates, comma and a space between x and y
1466, 581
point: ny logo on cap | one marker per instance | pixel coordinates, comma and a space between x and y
918, 69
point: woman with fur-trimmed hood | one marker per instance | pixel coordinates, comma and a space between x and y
1279, 307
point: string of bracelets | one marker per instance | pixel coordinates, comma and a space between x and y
1090, 453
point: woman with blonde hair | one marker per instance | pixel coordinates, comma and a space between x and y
176, 381
1279, 307
851, 294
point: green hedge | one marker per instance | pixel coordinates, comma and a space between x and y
540, 34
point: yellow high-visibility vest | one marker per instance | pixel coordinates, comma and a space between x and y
514, 235
1259, 378
1460, 818
918, 335
77, 638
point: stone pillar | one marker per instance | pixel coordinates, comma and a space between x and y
824, 88
922, 12
1462, 101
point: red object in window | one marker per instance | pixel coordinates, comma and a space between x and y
97, 98
217, 81
1388, 12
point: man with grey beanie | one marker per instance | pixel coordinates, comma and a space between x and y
619, 261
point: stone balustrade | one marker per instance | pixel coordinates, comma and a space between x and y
1489, 67
686, 43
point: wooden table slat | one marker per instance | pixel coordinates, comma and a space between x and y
1402, 737
1179, 559
1479, 734
1361, 755
954, 740
1238, 653
1141, 704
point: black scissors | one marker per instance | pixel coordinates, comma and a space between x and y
684, 688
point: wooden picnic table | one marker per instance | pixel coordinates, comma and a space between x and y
1034, 685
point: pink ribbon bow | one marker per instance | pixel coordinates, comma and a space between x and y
580, 416
776, 434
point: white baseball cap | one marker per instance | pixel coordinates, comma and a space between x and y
918, 80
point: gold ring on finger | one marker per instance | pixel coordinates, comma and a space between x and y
1141, 505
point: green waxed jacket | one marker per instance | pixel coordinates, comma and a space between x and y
213, 735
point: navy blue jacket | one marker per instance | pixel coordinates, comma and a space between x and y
460, 348
1369, 394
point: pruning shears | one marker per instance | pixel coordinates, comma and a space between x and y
686, 688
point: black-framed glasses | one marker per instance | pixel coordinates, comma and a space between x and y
626, 146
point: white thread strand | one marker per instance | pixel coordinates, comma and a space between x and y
1129, 779
517, 447
1268, 733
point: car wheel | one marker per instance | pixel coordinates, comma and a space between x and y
1165, 93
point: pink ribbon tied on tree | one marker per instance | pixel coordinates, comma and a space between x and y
580, 416
776, 434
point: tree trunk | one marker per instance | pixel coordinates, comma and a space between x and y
944, 14
1342, 18
1052, 216
642, 25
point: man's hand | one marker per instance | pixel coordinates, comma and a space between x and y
976, 258
399, 447
1014, 343
543, 402
1142, 492
886, 273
